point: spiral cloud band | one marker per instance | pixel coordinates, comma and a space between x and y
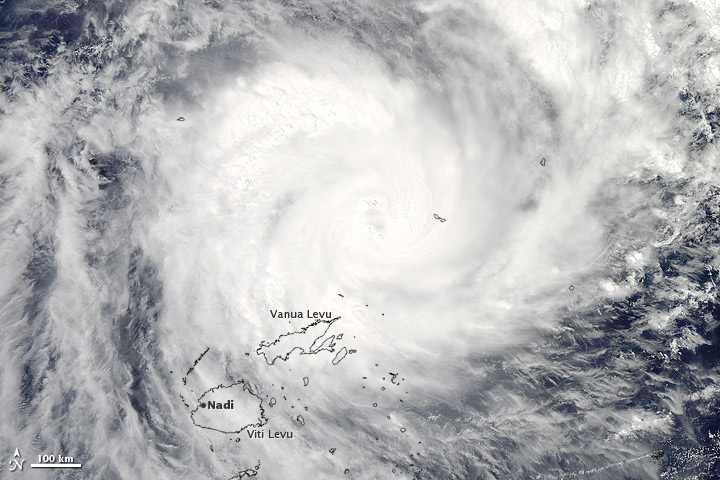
346, 239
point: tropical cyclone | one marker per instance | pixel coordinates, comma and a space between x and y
321, 145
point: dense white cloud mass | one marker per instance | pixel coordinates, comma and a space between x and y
512, 207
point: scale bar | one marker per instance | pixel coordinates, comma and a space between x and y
56, 465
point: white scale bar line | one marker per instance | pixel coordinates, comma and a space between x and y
56, 465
